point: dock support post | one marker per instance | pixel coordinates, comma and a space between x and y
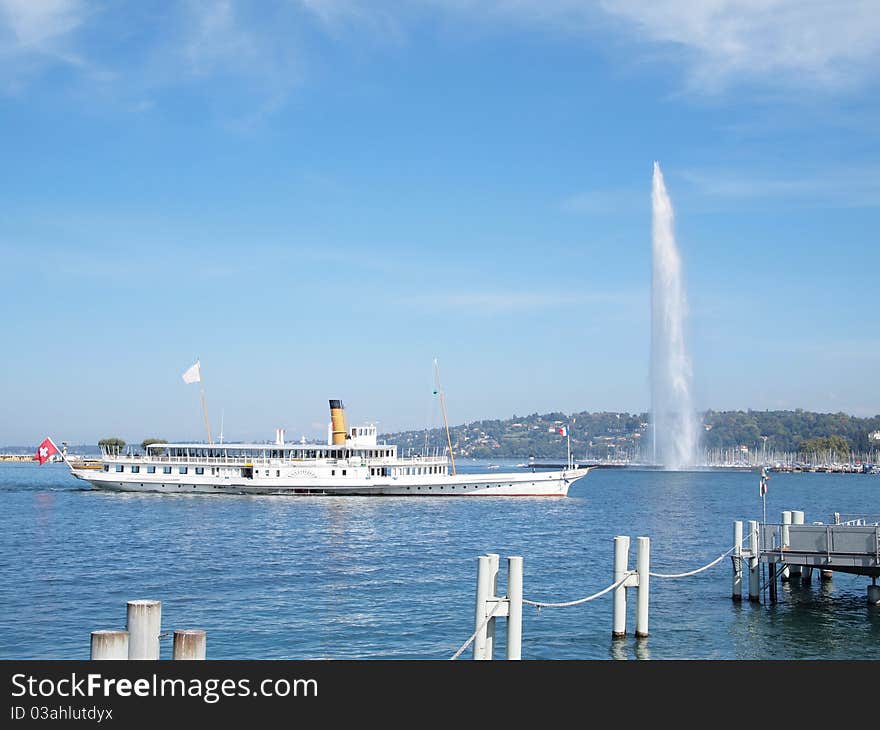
807, 575
643, 568
143, 623
772, 581
109, 644
484, 568
797, 518
189, 644
514, 607
621, 568
874, 593
736, 592
754, 563
494, 559
825, 575
785, 539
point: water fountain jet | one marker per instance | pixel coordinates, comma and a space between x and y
675, 431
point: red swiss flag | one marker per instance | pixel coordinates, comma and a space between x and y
45, 450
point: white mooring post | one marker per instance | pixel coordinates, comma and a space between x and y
621, 568
754, 563
514, 608
143, 624
643, 568
109, 644
786, 540
190, 644
494, 560
797, 518
736, 591
483, 572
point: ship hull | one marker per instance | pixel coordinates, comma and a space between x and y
527, 484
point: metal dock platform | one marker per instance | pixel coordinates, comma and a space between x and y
792, 550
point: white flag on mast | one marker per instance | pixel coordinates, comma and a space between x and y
194, 374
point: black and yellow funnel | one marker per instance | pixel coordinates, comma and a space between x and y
337, 418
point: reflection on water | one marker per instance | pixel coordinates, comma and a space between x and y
319, 577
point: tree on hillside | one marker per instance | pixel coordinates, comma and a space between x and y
112, 445
149, 442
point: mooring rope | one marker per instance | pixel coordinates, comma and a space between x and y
542, 604
694, 572
479, 629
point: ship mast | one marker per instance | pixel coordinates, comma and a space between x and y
443, 409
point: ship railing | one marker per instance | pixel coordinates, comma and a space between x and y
239, 460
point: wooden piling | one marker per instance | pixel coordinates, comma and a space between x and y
480, 611
494, 560
797, 518
109, 644
143, 623
754, 564
785, 540
643, 568
189, 644
514, 608
736, 590
621, 568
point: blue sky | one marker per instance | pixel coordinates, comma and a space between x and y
318, 197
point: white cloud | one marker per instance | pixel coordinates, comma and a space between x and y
839, 187
36, 25
831, 43
35, 34
608, 202
506, 302
818, 43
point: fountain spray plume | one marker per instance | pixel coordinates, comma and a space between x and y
675, 429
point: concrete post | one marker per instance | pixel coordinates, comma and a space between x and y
736, 591
786, 539
494, 560
189, 644
514, 607
754, 563
807, 575
109, 644
643, 567
143, 624
483, 571
621, 568
797, 518
874, 593
825, 575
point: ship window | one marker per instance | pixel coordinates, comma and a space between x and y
267, 472
119, 467
333, 472
343, 472
277, 472
200, 470
151, 470
106, 467
166, 469
182, 470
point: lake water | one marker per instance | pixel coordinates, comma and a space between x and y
393, 578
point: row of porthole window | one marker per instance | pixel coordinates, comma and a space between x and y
152, 469
466, 486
